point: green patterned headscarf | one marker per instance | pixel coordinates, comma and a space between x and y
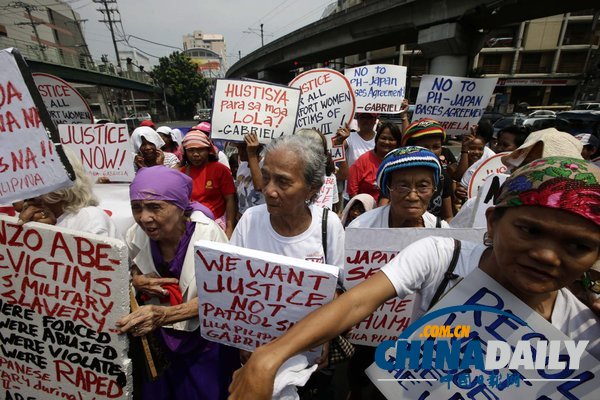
562, 183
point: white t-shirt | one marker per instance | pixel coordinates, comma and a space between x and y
254, 231
328, 195
89, 219
379, 218
357, 146
421, 266
248, 196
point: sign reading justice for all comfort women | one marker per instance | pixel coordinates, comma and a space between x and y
29, 163
61, 293
457, 103
64, 104
378, 88
366, 251
244, 106
248, 298
104, 150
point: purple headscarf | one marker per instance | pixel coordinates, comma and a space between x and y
166, 184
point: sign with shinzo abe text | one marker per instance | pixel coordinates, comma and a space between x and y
456, 102
366, 251
378, 88
491, 165
486, 197
248, 298
327, 101
61, 293
63, 101
30, 165
246, 106
104, 150
481, 341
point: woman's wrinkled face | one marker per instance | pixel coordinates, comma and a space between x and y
411, 190
197, 156
475, 150
432, 143
284, 186
539, 250
148, 150
159, 219
385, 143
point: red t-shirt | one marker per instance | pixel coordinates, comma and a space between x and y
363, 175
211, 183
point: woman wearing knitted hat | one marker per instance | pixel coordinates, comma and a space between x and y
428, 133
408, 176
213, 183
543, 233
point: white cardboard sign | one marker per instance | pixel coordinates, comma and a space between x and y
29, 162
248, 297
378, 88
366, 251
104, 150
485, 199
491, 165
63, 101
62, 292
244, 106
480, 289
456, 102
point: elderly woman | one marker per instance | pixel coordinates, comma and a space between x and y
213, 183
408, 176
172, 143
161, 247
147, 145
543, 233
362, 173
74, 207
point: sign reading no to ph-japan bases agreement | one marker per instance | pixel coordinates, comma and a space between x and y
538, 358
245, 106
248, 297
64, 104
457, 103
366, 253
30, 164
62, 292
378, 88
104, 150
326, 104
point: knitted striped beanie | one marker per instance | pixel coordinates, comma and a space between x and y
406, 157
421, 128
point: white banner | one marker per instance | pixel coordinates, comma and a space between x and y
378, 88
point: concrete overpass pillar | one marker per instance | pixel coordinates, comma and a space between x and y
449, 47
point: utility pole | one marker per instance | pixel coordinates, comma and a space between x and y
262, 35
107, 13
29, 8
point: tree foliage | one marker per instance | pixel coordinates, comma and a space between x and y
185, 87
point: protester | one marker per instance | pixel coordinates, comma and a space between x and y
362, 174
147, 146
408, 176
147, 123
428, 133
213, 183
591, 145
248, 180
161, 249
206, 128
357, 206
510, 138
74, 207
171, 145
474, 150
542, 234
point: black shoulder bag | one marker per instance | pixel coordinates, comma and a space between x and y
449, 275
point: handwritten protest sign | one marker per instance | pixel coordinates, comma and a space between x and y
242, 107
62, 292
248, 298
487, 194
63, 101
328, 191
378, 88
491, 165
366, 251
104, 150
456, 102
327, 101
30, 165
478, 289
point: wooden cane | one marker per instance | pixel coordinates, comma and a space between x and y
147, 353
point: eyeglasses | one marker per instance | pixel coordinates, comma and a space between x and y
403, 190
589, 284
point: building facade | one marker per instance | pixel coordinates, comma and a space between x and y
208, 51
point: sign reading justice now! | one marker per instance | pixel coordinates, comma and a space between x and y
243, 106
248, 298
61, 293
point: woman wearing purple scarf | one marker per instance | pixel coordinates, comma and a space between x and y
161, 247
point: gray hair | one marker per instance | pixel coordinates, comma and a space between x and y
79, 195
310, 153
